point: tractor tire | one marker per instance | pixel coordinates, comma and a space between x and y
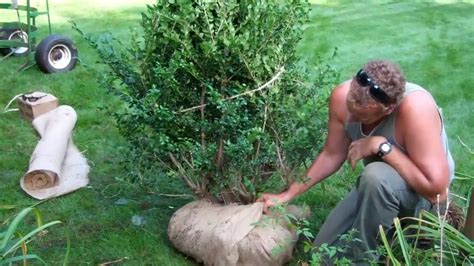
16, 34
56, 54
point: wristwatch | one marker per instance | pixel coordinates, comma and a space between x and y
384, 149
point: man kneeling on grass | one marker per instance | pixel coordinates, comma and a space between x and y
396, 128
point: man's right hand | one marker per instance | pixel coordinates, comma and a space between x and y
270, 200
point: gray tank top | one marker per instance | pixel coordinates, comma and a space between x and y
386, 128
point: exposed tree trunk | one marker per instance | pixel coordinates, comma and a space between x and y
469, 226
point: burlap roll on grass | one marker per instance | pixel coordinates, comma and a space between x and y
56, 165
40, 179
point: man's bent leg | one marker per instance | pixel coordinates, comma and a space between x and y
383, 195
339, 221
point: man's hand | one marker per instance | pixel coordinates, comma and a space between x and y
270, 200
363, 148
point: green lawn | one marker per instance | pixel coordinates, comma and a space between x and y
432, 42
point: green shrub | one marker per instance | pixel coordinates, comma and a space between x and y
194, 104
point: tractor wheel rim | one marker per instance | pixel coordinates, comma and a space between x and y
59, 56
19, 35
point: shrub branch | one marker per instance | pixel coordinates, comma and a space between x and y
268, 83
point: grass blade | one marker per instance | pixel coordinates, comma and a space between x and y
23, 257
39, 220
405, 247
30, 234
387, 246
68, 249
8, 206
12, 228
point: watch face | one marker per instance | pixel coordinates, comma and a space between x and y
385, 147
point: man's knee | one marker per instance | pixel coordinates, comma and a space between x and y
376, 175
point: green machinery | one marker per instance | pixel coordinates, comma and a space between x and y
53, 54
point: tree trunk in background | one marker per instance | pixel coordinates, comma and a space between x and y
469, 226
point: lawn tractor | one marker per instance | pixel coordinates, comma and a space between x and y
53, 54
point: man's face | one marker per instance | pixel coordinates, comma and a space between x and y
364, 112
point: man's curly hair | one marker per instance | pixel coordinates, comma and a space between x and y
388, 76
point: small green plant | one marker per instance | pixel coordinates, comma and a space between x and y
214, 94
317, 255
447, 245
320, 255
13, 243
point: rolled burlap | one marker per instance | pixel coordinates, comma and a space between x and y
56, 165
40, 179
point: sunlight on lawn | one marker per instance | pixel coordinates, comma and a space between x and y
64, 10
378, 2
110, 4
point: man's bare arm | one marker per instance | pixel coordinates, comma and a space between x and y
334, 151
425, 167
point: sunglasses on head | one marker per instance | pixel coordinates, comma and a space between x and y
364, 80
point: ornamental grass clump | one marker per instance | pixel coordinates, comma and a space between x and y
432, 238
213, 93
14, 243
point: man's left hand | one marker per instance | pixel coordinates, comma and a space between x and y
363, 148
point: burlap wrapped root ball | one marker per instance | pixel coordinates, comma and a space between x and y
231, 235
